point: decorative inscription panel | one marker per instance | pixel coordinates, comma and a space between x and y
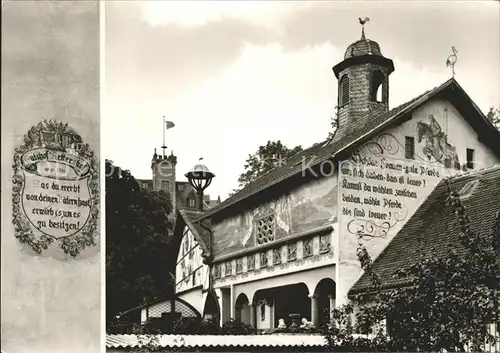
55, 189
379, 193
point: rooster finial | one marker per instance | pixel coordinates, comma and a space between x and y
362, 23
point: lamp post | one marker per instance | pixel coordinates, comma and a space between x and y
200, 178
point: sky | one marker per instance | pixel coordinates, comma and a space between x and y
232, 75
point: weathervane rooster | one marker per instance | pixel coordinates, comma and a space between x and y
362, 22
452, 59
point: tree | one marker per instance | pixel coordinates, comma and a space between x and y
445, 306
138, 242
334, 122
273, 154
494, 116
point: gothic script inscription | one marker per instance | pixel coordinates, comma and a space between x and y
55, 190
379, 192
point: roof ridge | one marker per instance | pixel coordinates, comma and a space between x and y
339, 143
276, 167
472, 172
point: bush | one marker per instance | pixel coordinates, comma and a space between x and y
235, 327
448, 302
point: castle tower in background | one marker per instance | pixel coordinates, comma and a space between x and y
163, 171
182, 194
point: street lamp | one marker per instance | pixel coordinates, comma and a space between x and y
200, 178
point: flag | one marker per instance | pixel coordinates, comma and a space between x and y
169, 124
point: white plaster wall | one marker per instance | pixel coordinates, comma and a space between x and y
459, 135
190, 256
195, 298
267, 322
458, 130
50, 70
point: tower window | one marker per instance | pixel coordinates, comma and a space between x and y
191, 203
470, 158
344, 91
409, 147
165, 185
378, 79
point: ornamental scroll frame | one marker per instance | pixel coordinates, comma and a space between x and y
54, 135
384, 143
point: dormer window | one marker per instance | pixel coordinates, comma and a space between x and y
468, 189
377, 82
344, 91
191, 203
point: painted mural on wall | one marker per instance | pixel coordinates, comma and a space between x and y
436, 146
190, 270
311, 206
55, 190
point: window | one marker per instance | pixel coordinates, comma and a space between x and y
265, 229
468, 189
378, 79
165, 185
263, 259
229, 269
239, 265
251, 263
218, 271
409, 147
276, 256
181, 187
308, 248
292, 252
470, 158
344, 91
262, 311
191, 203
324, 244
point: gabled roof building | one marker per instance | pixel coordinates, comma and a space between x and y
284, 247
434, 228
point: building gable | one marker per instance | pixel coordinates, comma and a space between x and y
343, 143
190, 271
434, 228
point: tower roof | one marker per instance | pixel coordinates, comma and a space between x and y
362, 47
362, 51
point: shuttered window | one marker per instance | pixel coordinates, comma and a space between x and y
344, 91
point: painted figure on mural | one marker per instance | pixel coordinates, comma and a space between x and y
436, 142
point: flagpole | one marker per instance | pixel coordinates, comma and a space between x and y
163, 128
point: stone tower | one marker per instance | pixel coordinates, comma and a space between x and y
363, 83
163, 168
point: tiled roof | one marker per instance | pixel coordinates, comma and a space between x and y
366, 127
201, 235
362, 47
434, 227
